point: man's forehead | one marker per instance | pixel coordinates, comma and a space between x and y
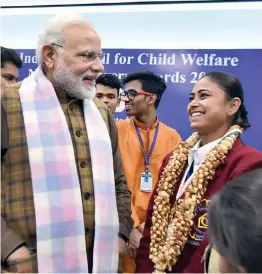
135, 84
79, 36
10, 68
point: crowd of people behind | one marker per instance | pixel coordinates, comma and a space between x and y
81, 193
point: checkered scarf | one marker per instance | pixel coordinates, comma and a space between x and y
60, 229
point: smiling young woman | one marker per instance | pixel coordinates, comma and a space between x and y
175, 231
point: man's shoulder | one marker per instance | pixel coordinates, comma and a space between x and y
10, 91
102, 109
99, 103
123, 128
124, 123
168, 129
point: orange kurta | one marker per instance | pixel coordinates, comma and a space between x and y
134, 164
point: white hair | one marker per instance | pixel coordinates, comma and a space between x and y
53, 32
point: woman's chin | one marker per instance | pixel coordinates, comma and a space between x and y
200, 129
195, 126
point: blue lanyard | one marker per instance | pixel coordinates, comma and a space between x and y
147, 157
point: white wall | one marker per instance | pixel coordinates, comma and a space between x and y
186, 26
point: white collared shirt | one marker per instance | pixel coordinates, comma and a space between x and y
197, 155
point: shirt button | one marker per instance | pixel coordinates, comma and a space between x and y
78, 133
83, 164
87, 195
87, 230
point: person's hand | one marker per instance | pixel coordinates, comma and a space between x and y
20, 261
141, 228
134, 242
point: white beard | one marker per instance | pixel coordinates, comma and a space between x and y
72, 84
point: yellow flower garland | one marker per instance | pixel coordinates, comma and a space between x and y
165, 247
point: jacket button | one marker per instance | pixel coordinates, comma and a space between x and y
83, 164
87, 195
87, 230
78, 133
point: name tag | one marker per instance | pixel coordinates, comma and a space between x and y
146, 182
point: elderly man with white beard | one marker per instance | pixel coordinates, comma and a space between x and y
65, 205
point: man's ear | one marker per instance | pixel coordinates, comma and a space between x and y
49, 56
153, 99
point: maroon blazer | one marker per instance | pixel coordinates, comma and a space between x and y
239, 160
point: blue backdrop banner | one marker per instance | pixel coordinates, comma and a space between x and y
181, 69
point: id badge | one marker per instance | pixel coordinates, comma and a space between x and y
146, 182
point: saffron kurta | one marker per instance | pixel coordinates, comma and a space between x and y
134, 163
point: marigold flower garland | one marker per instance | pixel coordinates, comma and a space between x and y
165, 247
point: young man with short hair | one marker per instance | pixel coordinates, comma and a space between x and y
107, 90
10, 65
144, 141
